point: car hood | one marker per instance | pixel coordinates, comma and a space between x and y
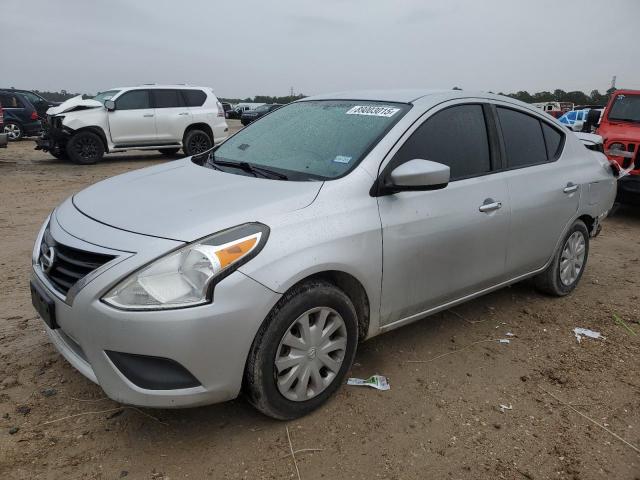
184, 201
75, 103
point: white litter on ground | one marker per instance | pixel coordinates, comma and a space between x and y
585, 332
504, 340
505, 407
509, 334
375, 381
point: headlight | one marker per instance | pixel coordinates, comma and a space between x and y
617, 146
185, 277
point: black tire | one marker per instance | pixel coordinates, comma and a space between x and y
260, 373
169, 152
85, 148
550, 281
196, 141
14, 131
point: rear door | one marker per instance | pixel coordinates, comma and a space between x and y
172, 115
133, 121
444, 244
543, 189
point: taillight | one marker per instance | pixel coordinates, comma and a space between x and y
34, 115
1, 116
220, 110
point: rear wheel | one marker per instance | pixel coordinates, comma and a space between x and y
85, 148
169, 151
566, 269
196, 141
302, 352
14, 131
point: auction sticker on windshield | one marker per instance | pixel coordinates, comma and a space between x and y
373, 110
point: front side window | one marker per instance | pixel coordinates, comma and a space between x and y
134, 100
313, 139
167, 98
33, 98
456, 136
523, 138
625, 108
104, 96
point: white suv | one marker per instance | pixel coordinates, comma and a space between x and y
147, 117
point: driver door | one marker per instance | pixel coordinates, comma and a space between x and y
133, 121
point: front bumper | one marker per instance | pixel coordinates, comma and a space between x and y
629, 190
210, 342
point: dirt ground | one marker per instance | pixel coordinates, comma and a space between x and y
440, 420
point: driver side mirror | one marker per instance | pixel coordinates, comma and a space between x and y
110, 105
414, 175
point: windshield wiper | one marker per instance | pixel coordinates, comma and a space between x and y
247, 167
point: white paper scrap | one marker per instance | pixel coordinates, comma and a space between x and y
376, 381
585, 332
505, 407
504, 340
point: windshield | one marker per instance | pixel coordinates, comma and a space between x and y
313, 139
104, 96
625, 107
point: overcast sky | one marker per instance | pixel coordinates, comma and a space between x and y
248, 47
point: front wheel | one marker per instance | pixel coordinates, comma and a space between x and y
302, 352
196, 141
85, 148
563, 274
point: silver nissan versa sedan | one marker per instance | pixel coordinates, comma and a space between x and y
258, 266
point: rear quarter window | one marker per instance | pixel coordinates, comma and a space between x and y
553, 140
194, 98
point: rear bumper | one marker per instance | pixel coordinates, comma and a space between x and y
32, 129
629, 190
4, 139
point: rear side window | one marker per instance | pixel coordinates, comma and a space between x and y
523, 139
134, 100
194, 98
456, 136
168, 98
9, 100
553, 140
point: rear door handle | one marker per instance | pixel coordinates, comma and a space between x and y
490, 205
148, 115
570, 188
183, 113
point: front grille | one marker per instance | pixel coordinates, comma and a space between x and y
64, 265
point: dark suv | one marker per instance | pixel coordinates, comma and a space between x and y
20, 116
40, 103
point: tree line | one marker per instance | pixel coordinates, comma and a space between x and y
577, 97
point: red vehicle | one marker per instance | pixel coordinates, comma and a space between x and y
620, 130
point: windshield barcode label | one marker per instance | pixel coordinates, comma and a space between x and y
371, 110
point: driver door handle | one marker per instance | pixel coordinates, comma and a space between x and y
490, 205
147, 115
570, 188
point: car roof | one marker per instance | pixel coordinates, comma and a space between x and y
154, 86
399, 95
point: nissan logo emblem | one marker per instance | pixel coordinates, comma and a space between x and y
47, 259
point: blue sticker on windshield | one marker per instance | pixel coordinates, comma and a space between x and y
342, 159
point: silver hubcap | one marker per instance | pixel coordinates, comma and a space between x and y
572, 258
310, 354
12, 130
